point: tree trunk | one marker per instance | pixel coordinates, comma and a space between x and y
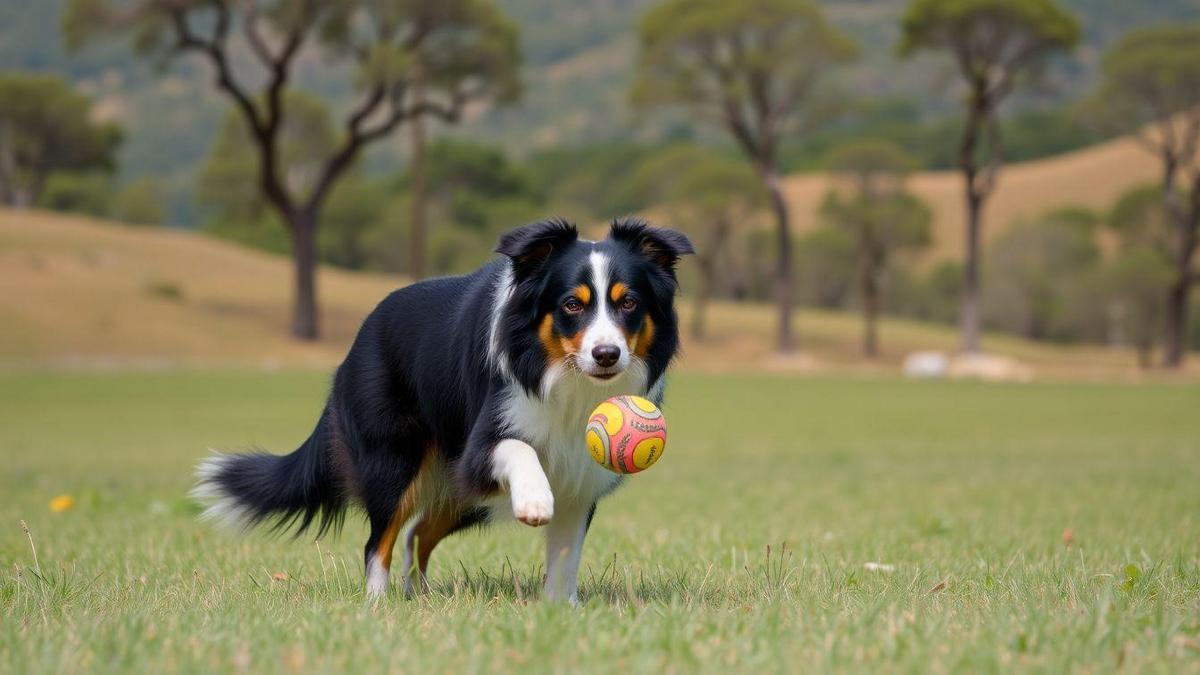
783, 272
700, 304
968, 162
417, 196
870, 307
708, 275
1175, 340
304, 258
969, 320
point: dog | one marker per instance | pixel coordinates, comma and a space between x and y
464, 399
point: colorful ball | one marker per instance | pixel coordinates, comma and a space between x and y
626, 434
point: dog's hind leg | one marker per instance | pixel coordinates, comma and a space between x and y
389, 493
427, 531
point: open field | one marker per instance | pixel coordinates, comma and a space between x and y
87, 293
1045, 527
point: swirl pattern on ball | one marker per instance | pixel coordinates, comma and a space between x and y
626, 434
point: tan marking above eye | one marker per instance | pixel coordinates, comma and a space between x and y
617, 291
584, 293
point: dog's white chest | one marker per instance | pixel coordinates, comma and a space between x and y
554, 425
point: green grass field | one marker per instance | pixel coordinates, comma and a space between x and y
746, 548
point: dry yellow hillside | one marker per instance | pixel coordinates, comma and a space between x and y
1093, 177
77, 290
80, 292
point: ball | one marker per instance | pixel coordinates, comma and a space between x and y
626, 434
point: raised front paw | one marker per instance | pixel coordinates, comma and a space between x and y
533, 504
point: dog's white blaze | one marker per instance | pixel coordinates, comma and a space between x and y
603, 329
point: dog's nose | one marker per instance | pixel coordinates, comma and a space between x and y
606, 355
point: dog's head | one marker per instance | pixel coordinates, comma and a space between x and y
596, 310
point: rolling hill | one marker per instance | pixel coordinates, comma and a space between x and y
1093, 177
82, 293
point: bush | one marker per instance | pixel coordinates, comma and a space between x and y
88, 193
142, 202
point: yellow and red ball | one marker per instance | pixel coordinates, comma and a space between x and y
626, 434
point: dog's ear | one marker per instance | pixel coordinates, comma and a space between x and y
663, 246
530, 246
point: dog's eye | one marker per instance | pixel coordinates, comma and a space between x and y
572, 306
628, 304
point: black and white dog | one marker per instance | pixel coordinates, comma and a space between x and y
466, 398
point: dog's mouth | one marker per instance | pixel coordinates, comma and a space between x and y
603, 375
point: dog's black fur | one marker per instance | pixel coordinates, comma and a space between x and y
427, 380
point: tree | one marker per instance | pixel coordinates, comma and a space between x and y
1151, 88
227, 181
461, 50
993, 43
1135, 285
47, 127
1033, 270
142, 202
752, 67
882, 218
706, 193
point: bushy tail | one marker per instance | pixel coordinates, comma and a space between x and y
256, 488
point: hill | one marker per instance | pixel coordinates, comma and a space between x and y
83, 293
1093, 177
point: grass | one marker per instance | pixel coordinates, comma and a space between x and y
1046, 527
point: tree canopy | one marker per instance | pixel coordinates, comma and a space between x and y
750, 66
45, 126
410, 59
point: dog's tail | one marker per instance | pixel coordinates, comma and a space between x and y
255, 488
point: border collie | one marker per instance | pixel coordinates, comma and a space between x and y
464, 399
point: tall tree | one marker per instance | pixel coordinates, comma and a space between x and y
464, 50
1151, 88
707, 194
883, 218
46, 127
753, 68
993, 44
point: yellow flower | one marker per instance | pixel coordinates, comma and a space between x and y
61, 503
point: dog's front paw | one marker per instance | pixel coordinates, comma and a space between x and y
533, 504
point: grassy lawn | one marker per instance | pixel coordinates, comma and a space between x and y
1044, 527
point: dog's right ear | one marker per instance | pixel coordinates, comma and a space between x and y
530, 246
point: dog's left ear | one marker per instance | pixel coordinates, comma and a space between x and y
663, 246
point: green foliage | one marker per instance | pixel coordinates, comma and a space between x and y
1033, 271
1151, 74
1140, 219
45, 126
988, 33
751, 65
354, 208
1135, 285
142, 202
592, 180
89, 192
826, 259
228, 183
933, 296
